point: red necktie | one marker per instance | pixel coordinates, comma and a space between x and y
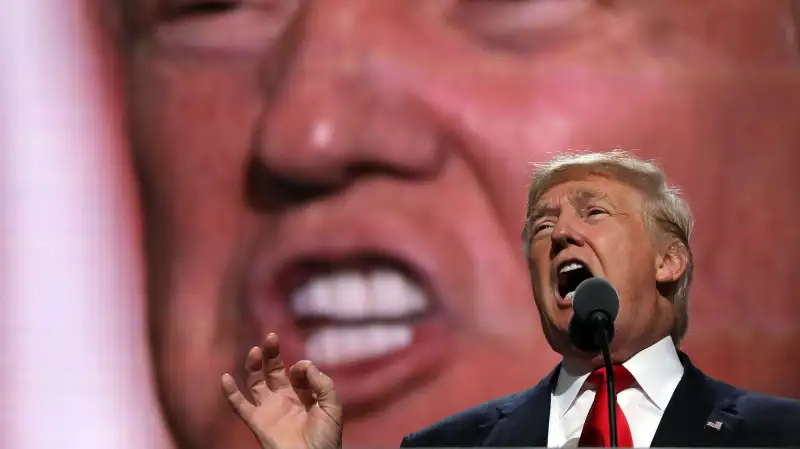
596, 432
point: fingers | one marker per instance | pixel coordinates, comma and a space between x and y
255, 375
323, 387
299, 380
274, 370
306, 377
236, 399
265, 369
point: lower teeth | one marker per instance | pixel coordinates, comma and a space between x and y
346, 344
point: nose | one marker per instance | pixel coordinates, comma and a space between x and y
331, 113
564, 235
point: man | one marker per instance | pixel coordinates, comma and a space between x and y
595, 215
347, 173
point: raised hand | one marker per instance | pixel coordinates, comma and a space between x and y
294, 411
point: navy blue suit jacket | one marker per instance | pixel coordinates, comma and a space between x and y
521, 420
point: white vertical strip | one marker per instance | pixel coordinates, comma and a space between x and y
75, 371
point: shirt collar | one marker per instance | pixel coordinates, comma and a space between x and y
657, 370
568, 386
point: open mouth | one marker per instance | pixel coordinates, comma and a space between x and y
357, 310
368, 319
570, 274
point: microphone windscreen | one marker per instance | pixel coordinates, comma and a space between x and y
595, 294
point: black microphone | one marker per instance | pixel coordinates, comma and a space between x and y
595, 305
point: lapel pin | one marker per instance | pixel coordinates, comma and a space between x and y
716, 425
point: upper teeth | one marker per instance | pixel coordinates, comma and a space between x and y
570, 266
379, 294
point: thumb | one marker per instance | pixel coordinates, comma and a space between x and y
324, 390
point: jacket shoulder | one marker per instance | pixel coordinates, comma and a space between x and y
468, 428
769, 420
770, 412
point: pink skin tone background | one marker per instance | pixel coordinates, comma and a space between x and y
426, 114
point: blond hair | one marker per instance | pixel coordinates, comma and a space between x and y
665, 213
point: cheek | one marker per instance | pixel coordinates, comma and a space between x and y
191, 129
627, 257
192, 134
572, 106
538, 264
524, 113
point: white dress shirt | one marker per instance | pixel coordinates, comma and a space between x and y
657, 371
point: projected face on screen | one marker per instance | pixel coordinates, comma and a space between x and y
351, 174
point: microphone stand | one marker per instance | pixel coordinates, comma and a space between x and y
601, 339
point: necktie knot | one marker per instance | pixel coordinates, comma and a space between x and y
623, 379
596, 431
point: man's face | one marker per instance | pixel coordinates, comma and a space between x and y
594, 226
351, 175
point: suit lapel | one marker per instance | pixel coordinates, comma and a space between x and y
525, 418
701, 412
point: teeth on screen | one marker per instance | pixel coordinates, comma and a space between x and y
380, 294
337, 344
570, 296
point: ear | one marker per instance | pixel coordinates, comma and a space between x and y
671, 263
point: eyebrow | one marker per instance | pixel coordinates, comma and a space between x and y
578, 197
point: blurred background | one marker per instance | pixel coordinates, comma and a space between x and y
180, 178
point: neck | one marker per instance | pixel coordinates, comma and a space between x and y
580, 362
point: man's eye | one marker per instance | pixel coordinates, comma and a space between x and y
245, 27
595, 211
542, 227
183, 8
515, 23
